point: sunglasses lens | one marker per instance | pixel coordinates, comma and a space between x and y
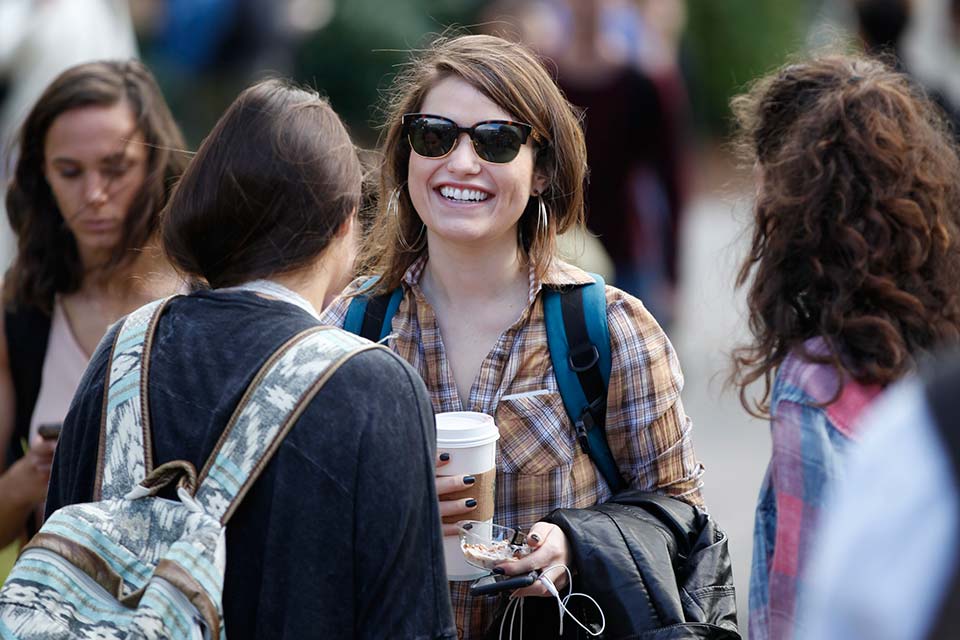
431, 137
497, 142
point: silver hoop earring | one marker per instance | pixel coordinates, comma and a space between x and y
393, 208
543, 221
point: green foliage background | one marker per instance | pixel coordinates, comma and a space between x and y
731, 42
354, 58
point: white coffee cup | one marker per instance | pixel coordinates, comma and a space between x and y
471, 440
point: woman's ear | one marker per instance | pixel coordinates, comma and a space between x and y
538, 184
347, 226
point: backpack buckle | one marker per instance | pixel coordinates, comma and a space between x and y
583, 357
583, 427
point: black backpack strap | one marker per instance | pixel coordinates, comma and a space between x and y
371, 316
374, 317
943, 398
584, 357
27, 334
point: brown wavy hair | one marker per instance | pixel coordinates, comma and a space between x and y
855, 222
513, 78
47, 261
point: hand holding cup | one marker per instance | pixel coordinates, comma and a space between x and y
466, 472
449, 491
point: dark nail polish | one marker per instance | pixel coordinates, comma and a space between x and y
498, 571
534, 537
444, 457
469, 479
471, 502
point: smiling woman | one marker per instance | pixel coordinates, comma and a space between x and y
483, 165
98, 155
464, 197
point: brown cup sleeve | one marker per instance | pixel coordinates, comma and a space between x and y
481, 491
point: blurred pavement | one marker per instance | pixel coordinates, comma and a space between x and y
733, 446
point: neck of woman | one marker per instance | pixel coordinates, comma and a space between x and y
465, 275
149, 275
317, 284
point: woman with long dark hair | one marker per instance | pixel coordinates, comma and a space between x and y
97, 157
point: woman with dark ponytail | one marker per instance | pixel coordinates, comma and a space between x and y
336, 532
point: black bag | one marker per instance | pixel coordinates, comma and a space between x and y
27, 331
658, 567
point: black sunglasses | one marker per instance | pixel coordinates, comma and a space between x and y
497, 141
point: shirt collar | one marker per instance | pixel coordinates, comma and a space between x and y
411, 277
563, 274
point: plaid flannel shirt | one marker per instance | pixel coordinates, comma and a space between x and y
540, 466
810, 443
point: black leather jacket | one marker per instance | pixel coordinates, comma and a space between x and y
659, 568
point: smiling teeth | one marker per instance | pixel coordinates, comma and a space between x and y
466, 195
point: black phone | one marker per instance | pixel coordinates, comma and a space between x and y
50, 430
503, 583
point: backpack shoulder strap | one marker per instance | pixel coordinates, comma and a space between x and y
271, 405
125, 454
579, 343
371, 316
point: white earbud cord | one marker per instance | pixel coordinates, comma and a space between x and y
517, 603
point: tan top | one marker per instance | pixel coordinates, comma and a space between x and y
63, 366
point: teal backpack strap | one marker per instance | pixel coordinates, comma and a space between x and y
358, 307
579, 343
271, 405
125, 453
372, 316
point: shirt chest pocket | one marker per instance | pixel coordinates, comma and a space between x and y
536, 436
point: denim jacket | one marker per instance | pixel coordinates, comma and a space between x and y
810, 442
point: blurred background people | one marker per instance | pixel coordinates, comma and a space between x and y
98, 155
204, 52
617, 62
852, 275
931, 46
881, 24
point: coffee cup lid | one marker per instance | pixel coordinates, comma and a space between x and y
465, 429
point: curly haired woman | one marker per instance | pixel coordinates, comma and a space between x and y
852, 269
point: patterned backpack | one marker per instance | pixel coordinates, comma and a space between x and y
136, 565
